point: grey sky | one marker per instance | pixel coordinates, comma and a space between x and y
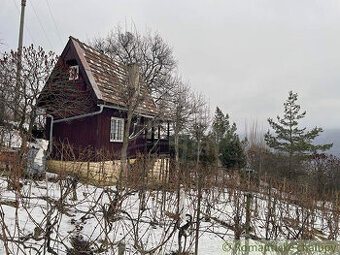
244, 55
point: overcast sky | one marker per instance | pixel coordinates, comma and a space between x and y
244, 55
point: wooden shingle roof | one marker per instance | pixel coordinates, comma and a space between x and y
108, 78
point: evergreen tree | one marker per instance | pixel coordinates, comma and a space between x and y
220, 125
208, 152
289, 139
228, 147
232, 153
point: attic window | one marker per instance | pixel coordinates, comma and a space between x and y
116, 131
74, 72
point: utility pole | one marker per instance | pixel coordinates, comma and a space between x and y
21, 29
21, 37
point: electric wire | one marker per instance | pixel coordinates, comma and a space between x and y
54, 22
41, 25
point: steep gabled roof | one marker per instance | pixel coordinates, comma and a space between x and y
108, 78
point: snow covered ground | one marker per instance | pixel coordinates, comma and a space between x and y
48, 207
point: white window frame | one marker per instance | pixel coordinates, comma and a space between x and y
116, 132
74, 73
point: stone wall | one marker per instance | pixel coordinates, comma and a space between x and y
106, 172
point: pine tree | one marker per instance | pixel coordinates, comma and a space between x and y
289, 139
231, 152
228, 147
208, 154
220, 125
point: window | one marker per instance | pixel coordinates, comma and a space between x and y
164, 130
74, 73
117, 129
161, 131
149, 134
156, 129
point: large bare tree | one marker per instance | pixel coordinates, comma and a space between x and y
20, 94
152, 54
150, 62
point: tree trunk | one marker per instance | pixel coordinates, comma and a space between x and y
248, 215
176, 148
133, 92
198, 152
124, 169
199, 198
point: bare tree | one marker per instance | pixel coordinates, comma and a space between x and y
200, 121
153, 55
36, 66
156, 62
133, 97
179, 113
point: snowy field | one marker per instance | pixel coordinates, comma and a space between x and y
48, 217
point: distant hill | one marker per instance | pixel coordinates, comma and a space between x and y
330, 136
327, 136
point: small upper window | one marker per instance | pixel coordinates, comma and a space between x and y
117, 129
74, 73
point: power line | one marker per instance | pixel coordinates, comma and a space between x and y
41, 25
54, 22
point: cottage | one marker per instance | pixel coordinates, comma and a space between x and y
97, 121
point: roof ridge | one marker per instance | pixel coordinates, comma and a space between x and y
116, 62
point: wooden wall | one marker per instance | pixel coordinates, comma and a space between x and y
94, 133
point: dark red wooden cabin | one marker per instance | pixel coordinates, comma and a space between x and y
97, 124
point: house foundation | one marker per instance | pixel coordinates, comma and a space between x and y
107, 172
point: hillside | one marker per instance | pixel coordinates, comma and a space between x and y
146, 221
331, 136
